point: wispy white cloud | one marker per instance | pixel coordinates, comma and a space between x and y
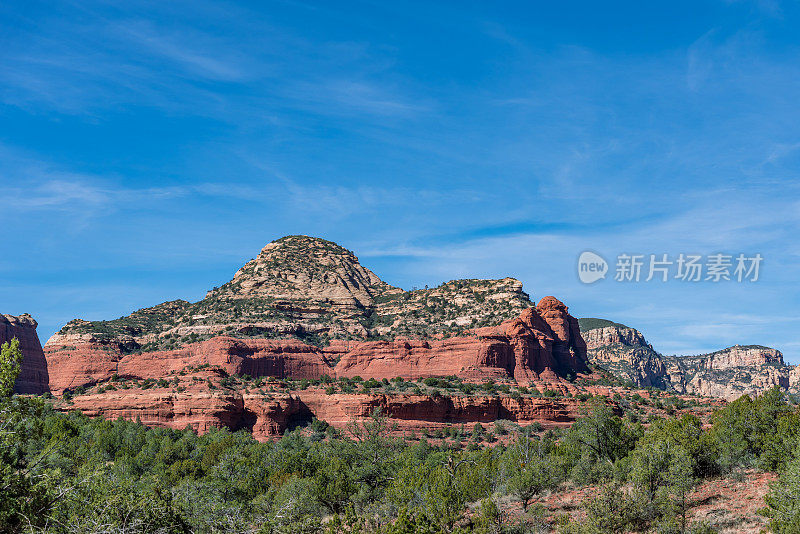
108, 63
197, 53
705, 319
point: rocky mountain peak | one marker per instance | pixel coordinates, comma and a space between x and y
551, 303
314, 290
602, 332
306, 268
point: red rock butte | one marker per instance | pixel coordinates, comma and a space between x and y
540, 347
305, 308
543, 343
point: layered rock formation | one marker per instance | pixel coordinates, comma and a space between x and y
305, 308
728, 373
735, 371
33, 377
543, 343
625, 353
271, 414
317, 294
91, 360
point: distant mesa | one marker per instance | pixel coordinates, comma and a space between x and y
728, 373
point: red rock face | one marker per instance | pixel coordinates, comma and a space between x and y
80, 362
569, 348
466, 357
543, 343
269, 416
87, 362
254, 357
33, 377
539, 347
415, 412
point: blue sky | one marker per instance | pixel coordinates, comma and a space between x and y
147, 150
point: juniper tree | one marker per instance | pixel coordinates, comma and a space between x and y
10, 360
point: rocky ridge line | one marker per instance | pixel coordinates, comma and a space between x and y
728, 373
312, 290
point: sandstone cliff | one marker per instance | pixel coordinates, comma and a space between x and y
188, 401
625, 353
727, 373
543, 343
90, 360
33, 377
735, 371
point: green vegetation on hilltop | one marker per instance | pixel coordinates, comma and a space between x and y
301, 242
144, 321
592, 323
448, 309
692, 357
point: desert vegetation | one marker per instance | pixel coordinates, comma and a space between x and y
65, 472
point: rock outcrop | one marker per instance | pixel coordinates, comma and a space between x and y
33, 377
306, 270
270, 415
315, 291
543, 343
625, 353
85, 362
733, 372
728, 373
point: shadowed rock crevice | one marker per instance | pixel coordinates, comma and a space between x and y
246, 421
299, 419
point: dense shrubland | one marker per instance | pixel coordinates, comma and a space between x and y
69, 473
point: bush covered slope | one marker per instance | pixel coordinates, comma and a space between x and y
69, 473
